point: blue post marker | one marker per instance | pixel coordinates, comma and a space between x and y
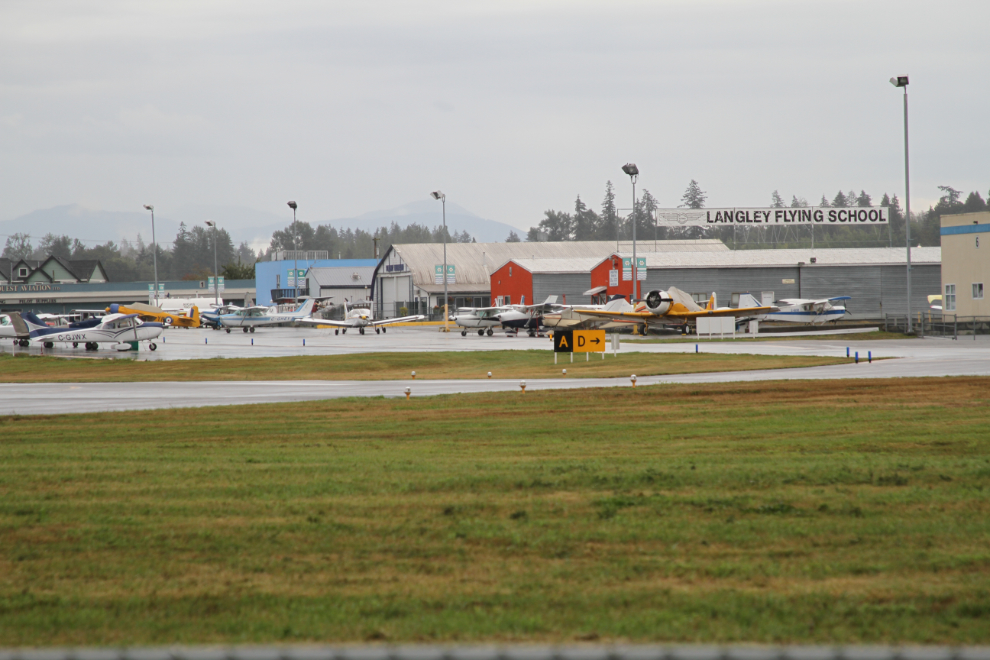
206, 340
695, 348
163, 339
304, 341
869, 357
252, 341
847, 351
857, 357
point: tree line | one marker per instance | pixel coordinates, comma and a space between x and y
190, 256
357, 243
585, 224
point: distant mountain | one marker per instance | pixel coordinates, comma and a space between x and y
243, 224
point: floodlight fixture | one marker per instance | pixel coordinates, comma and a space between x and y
149, 207
899, 81
436, 194
293, 206
902, 81
210, 223
630, 169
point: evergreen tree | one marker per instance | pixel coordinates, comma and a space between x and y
610, 216
839, 201
776, 201
864, 200
824, 203
694, 197
974, 203
798, 203
585, 222
513, 237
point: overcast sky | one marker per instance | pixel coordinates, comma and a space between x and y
509, 107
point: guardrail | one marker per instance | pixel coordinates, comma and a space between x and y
582, 652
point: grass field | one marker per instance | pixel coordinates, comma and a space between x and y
827, 512
387, 366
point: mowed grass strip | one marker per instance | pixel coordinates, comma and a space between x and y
821, 512
853, 336
389, 366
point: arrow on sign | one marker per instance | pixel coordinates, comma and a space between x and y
596, 340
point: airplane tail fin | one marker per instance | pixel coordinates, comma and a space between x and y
194, 314
20, 327
712, 302
32, 321
551, 300
748, 300
617, 304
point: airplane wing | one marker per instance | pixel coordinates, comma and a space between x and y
401, 319
333, 324
686, 314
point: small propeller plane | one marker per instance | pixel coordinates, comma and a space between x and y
249, 318
528, 317
120, 329
481, 318
671, 307
802, 310
158, 315
360, 316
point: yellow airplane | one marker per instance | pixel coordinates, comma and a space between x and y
673, 307
152, 313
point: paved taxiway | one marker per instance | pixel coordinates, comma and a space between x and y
916, 357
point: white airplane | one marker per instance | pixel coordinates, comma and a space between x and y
482, 318
119, 329
250, 318
360, 316
12, 326
528, 317
800, 310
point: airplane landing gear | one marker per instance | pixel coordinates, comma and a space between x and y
378, 331
245, 330
344, 331
49, 344
92, 346
228, 331
361, 331
463, 333
336, 331
384, 328
23, 342
252, 329
75, 344
481, 333
153, 346
490, 332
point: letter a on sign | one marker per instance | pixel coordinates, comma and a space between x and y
563, 341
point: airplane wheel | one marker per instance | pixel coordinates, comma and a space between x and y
481, 333
361, 330
25, 343
384, 329
252, 329
228, 331
378, 331
245, 330
344, 331
153, 346
336, 332
463, 333
531, 333
490, 332
49, 344
75, 344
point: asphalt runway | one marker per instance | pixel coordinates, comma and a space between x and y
48, 398
914, 358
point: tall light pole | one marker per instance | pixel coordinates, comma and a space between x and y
902, 81
154, 249
633, 172
443, 200
216, 278
295, 256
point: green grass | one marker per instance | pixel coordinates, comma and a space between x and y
388, 366
820, 512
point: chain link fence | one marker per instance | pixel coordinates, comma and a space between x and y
940, 325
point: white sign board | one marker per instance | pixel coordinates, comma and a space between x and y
640, 268
220, 283
438, 274
209, 284
613, 278
758, 217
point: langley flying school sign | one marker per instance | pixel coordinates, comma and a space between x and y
812, 215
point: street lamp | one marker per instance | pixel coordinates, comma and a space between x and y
902, 81
633, 172
216, 279
436, 194
154, 249
295, 256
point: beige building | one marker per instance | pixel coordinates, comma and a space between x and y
966, 264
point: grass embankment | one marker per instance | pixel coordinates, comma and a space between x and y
693, 339
826, 512
389, 366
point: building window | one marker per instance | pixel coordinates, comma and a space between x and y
950, 298
508, 299
23, 272
510, 271
978, 291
